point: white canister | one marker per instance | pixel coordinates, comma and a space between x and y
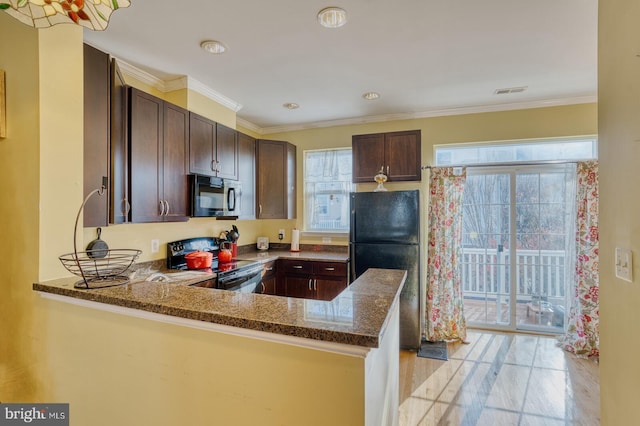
263, 243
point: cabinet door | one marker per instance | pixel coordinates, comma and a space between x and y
402, 150
202, 142
96, 135
269, 285
297, 286
368, 156
247, 176
226, 152
271, 180
146, 147
330, 279
327, 288
174, 178
119, 199
291, 194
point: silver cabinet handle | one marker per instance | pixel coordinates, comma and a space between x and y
212, 165
260, 208
310, 284
329, 269
127, 207
263, 287
315, 284
166, 213
161, 208
269, 269
387, 170
297, 266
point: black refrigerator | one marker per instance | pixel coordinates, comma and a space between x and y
385, 233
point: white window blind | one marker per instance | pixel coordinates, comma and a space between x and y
327, 184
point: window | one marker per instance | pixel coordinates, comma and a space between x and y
567, 149
327, 184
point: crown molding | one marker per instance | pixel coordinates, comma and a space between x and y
184, 82
249, 125
199, 87
431, 113
142, 76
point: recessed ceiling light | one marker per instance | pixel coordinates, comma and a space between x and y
332, 17
291, 105
213, 46
371, 96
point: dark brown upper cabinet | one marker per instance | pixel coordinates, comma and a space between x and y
119, 189
213, 148
247, 176
96, 135
276, 180
159, 135
397, 154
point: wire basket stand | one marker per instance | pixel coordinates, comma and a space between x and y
102, 268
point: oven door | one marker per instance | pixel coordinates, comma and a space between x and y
243, 281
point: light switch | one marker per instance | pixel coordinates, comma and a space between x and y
624, 264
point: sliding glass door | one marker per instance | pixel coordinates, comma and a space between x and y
516, 262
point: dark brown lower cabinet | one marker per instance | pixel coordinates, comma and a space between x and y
269, 278
311, 279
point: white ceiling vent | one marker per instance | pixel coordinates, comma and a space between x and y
510, 90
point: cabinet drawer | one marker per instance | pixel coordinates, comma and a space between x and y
334, 269
297, 267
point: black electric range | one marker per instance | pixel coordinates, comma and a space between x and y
238, 275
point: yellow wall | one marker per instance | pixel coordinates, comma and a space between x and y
41, 174
571, 120
38, 159
619, 110
204, 106
119, 370
20, 378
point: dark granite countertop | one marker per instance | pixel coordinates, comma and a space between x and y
357, 316
267, 255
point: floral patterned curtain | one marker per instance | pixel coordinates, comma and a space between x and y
582, 336
445, 318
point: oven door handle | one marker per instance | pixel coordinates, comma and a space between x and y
235, 282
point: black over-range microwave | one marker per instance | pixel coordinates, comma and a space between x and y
212, 196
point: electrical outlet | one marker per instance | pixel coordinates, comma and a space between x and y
624, 264
155, 246
326, 240
281, 234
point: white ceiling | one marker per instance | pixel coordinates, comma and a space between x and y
424, 57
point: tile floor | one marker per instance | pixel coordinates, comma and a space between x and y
500, 379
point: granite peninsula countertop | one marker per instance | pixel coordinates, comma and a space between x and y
357, 316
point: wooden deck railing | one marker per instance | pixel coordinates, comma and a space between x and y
539, 273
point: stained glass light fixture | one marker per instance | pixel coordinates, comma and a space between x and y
92, 14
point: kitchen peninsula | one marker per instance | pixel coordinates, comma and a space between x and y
231, 358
